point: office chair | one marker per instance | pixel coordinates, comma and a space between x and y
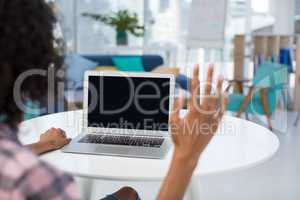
263, 94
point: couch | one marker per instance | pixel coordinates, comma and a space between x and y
150, 62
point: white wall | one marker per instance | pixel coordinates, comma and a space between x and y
284, 13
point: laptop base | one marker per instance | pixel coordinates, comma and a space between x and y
118, 150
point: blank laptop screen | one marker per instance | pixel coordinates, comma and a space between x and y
140, 103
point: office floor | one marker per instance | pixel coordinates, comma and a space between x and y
276, 179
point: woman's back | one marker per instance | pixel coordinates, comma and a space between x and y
21, 172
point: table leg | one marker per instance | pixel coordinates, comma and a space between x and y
193, 189
85, 185
297, 118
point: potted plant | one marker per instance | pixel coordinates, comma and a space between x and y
123, 22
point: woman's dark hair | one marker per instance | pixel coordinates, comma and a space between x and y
27, 42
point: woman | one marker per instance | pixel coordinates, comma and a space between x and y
27, 43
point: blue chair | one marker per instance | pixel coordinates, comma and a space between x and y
267, 86
32, 110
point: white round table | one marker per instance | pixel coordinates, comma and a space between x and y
239, 144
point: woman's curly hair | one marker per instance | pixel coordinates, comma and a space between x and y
27, 42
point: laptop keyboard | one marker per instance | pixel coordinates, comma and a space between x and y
123, 140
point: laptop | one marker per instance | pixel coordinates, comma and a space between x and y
125, 114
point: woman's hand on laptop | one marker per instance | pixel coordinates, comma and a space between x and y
53, 139
192, 133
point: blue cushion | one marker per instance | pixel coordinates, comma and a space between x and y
76, 66
129, 64
183, 81
150, 62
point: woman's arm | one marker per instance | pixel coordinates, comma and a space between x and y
192, 134
39, 148
52, 139
177, 179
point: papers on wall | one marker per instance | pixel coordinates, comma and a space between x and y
207, 20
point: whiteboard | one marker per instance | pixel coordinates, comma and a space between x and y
207, 21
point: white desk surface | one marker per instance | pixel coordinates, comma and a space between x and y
239, 144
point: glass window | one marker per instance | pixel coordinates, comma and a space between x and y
85, 35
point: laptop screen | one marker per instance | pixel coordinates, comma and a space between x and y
140, 103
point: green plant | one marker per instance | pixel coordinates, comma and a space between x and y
122, 21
